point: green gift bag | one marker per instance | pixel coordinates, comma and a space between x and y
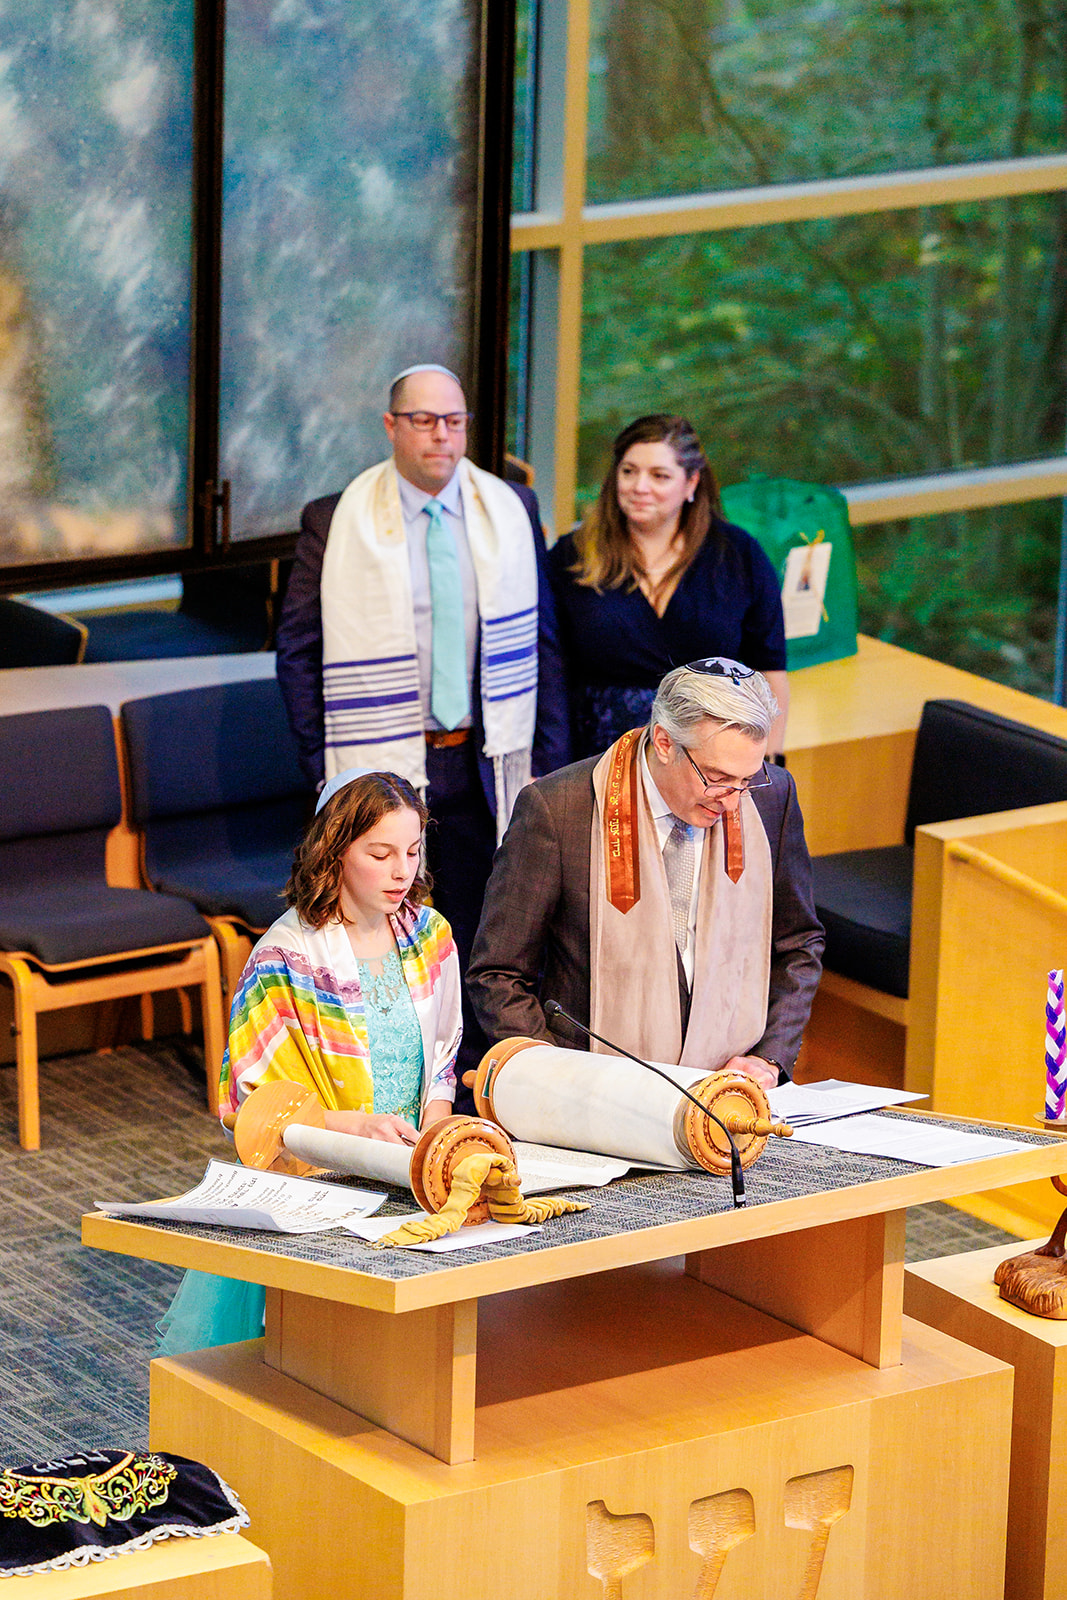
804, 529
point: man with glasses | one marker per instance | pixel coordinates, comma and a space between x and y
661, 892
418, 636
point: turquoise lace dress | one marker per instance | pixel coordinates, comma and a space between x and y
208, 1310
394, 1036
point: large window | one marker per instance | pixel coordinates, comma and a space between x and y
348, 235
836, 237
223, 227
95, 200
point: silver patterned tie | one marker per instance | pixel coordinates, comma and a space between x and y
679, 860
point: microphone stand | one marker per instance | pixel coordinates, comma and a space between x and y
553, 1008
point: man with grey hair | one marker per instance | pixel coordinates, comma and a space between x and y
661, 893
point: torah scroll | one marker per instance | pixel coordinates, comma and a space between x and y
546, 1094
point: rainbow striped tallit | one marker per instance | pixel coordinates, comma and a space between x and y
298, 1012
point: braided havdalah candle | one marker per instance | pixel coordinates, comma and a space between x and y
1055, 1049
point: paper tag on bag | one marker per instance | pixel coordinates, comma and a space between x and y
807, 569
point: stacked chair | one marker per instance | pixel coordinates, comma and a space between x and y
68, 934
31, 637
220, 802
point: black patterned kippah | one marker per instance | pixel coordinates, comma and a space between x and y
88, 1507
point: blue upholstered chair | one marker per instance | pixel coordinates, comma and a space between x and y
968, 763
217, 793
229, 611
31, 637
67, 935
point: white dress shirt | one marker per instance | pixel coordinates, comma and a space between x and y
413, 503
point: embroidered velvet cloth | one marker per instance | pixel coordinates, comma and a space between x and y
89, 1507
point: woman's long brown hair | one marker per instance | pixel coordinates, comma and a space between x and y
602, 543
314, 886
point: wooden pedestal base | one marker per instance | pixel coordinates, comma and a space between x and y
957, 1295
225, 1567
686, 1445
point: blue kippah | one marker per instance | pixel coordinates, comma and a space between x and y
339, 781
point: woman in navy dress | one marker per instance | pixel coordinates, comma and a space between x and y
654, 577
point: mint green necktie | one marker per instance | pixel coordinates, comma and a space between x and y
449, 692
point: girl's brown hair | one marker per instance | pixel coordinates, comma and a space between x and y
314, 886
605, 553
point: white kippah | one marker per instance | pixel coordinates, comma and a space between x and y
424, 366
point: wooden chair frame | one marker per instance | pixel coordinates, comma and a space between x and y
196, 965
233, 936
235, 940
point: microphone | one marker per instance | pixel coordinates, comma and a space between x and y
552, 1008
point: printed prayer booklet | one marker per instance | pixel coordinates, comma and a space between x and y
230, 1196
801, 1103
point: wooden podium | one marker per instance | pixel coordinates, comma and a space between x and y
957, 1294
659, 1398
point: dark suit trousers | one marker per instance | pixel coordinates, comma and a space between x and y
460, 842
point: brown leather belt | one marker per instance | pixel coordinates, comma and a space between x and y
445, 738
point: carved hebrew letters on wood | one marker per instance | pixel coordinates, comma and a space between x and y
616, 1545
814, 1503
716, 1524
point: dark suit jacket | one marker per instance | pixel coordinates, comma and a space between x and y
533, 939
299, 653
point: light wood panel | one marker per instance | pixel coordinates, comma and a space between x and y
864, 193
412, 1374
224, 1567
888, 1006
845, 1040
939, 492
767, 1407
981, 951
844, 1284
957, 1295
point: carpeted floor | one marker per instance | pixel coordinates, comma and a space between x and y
77, 1325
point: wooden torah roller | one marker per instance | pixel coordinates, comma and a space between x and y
281, 1127
550, 1095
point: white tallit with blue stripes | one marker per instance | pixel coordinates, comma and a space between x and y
369, 665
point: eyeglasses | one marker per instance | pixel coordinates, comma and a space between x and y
721, 667
426, 421
758, 780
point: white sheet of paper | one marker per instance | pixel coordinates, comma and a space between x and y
925, 1144
462, 1239
801, 1103
807, 568
231, 1196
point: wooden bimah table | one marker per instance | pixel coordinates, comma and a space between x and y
658, 1398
